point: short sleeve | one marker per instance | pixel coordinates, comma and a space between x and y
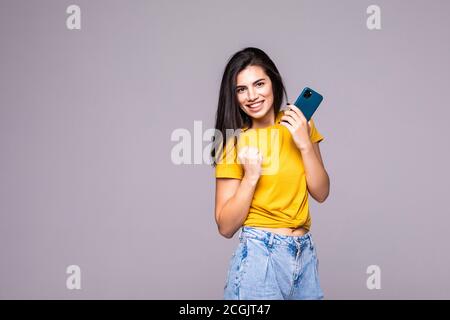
315, 134
227, 165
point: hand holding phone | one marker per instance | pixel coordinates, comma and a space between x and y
308, 101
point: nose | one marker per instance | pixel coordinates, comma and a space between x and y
251, 95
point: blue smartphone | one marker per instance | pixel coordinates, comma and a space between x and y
308, 101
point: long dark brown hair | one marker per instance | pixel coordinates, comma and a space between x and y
229, 115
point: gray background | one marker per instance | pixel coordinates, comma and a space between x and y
86, 117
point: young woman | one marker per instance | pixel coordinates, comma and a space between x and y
262, 184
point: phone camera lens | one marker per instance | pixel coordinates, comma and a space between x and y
307, 94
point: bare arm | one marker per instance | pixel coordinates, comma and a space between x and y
233, 200
317, 178
234, 196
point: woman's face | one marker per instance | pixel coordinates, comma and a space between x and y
254, 92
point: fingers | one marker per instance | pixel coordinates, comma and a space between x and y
295, 117
288, 119
291, 118
242, 152
250, 155
253, 155
287, 125
289, 115
292, 109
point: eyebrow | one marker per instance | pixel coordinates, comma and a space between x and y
240, 86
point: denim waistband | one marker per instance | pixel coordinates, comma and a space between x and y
271, 237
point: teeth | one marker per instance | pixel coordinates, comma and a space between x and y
255, 105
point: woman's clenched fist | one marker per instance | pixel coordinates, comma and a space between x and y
252, 160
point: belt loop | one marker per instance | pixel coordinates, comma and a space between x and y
271, 239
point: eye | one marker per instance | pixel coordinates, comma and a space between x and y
239, 90
260, 84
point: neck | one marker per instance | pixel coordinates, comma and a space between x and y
266, 121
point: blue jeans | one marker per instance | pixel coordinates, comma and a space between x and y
266, 265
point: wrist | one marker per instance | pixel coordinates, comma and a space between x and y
305, 147
252, 181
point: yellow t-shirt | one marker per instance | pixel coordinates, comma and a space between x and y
281, 196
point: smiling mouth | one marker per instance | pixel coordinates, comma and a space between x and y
255, 105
